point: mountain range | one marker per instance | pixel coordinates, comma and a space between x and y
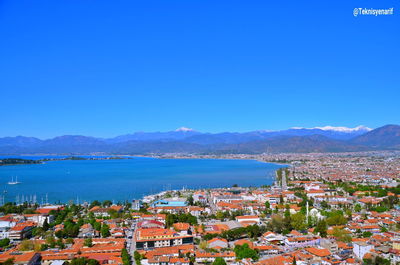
185, 140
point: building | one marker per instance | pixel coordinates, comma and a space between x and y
160, 237
361, 248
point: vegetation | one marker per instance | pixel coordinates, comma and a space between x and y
105, 230
219, 261
126, 258
88, 242
321, 228
245, 252
83, 261
4, 242
137, 257
184, 218
17, 161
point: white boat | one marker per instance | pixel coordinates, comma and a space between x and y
12, 182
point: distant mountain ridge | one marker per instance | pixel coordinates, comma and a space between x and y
186, 140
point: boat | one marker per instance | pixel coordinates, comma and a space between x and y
12, 182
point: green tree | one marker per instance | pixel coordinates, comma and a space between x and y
341, 235
321, 228
298, 221
219, 261
126, 258
137, 257
357, 208
84, 261
190, 200
97, 226
45, 225
94, 203
4, 242
245, 252
107, 203
366, 234
105, 230
8, 262
88, 242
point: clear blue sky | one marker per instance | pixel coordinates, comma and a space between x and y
104, 68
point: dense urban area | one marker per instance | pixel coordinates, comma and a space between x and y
340, 208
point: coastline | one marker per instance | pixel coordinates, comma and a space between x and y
136, 188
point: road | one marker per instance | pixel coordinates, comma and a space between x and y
130, 238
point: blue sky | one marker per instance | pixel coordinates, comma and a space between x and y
105, 68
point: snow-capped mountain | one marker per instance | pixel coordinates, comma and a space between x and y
186, 140
360, 128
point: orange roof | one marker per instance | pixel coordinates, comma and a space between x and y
181, 226
217, 239
247, 217
320, 252
20, 257
244, 241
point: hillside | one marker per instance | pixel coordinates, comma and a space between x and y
300, 140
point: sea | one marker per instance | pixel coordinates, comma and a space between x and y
121, 180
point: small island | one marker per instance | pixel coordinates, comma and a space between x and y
20, 161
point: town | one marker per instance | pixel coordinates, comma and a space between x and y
339, 208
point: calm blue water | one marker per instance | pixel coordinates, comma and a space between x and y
126, 179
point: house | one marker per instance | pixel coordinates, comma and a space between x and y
302, 241
21, 230
150, 224
136, 205
21, 258
6, 223
160, 237
268, 250
318, 253
217, 243
205, 257
248, 219
272, 238
87, 230
183, 228
360, 248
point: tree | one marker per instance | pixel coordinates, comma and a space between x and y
341, 235
336, 218
107, 203
97, 226
190, 201
325, 205
8, 262
84, 261
219, 261
94, 203
245, 252
298, 221
26, 245
51, 242
321, 228
276, 223
37, 231
137, 257
88, 242
4, 242
105, 231
45, 225
366, 234
126, 258
220, 215
357, 208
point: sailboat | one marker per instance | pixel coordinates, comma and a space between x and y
12, 182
